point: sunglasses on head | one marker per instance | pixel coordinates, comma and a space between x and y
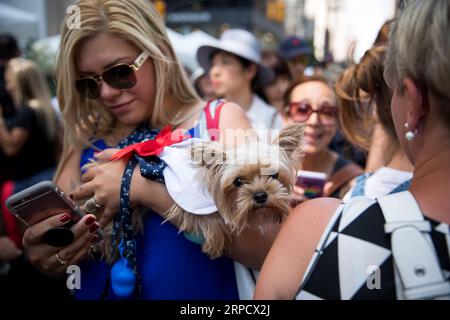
301, 111
120, 76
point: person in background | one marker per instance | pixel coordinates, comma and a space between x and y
298, 53
312, 101
364, 102
379, 152
325, 249
274, 92
8, 50
236, 72
29, 137
202, 84
32, 132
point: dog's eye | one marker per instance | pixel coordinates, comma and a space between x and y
238, 182
274, 176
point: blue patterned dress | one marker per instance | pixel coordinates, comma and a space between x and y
170, 266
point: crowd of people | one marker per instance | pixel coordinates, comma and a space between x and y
378, 132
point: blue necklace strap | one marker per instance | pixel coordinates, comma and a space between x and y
123, 220
124, 272
122, 236
151, 168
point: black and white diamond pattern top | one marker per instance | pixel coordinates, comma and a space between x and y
355, 245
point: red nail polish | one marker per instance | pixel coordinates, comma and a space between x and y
94, 239
90, 221
93, 228
66, 217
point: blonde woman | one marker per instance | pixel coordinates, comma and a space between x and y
32, 132
326, 250
124, 92
29, 139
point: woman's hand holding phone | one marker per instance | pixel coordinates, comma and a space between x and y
309, 185
54, 261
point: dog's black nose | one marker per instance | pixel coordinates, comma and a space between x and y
260, 197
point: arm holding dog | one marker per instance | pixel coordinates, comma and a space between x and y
104, 181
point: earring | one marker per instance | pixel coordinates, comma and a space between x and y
409, 135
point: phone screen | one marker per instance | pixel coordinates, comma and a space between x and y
312, 182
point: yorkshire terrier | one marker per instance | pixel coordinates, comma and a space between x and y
251, 186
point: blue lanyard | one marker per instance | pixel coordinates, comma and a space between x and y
123, 237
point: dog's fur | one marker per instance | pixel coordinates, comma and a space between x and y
235, 201
237, 208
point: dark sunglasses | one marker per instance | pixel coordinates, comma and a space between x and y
301, 111
120, 76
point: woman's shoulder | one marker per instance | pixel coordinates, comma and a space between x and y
233, 117
314, 213
353, 240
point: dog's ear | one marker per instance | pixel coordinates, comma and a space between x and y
209, 155
291, 141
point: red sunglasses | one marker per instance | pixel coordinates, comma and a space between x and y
301, 111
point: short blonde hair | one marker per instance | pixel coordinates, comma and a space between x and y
31, 90
137, 22
419, 48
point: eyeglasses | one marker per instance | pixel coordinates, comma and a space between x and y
120, 76
301, 111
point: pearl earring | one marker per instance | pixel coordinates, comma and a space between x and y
409, 135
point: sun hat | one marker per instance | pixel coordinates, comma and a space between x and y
240, 43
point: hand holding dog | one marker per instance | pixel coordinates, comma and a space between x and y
102, 181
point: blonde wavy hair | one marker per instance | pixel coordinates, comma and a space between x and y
31, 89
137, 22
419, 48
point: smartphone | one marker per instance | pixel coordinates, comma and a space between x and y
41, 201
312, 182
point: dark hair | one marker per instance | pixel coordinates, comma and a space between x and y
8, 47
245, 65
272, 60
276, 63
357, 89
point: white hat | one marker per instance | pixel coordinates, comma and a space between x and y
198, 72
242, 44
